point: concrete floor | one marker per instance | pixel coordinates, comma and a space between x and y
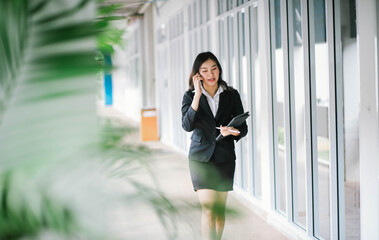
168, 170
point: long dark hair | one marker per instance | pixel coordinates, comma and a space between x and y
200, 59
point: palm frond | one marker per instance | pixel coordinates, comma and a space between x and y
53, 173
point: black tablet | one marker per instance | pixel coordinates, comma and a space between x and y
235, 122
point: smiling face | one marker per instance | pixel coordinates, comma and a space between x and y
210, 74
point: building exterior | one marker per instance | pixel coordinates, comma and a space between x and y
307, 70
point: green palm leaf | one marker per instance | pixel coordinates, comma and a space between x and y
53, 177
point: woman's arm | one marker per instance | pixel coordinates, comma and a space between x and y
188, 112
191, 105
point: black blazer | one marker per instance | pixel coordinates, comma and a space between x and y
203, 124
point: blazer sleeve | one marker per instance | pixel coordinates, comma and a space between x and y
188, 113
238, 110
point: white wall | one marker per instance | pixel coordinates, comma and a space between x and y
368, 119
127, 84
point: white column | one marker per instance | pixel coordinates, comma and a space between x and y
368, 119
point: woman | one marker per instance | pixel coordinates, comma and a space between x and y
211, 103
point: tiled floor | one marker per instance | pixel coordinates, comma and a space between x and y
139, 221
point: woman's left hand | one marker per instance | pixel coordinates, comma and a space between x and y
226, 131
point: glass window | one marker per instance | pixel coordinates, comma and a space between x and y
195, 17
207, 10
240, 2
221, 6
278, 22
229, 5
221, 38
243, 88
208, 37
196, 39
231, 52
201, 11
190, 17
203, 40
255, 77
280, 131
242, 65
351, 102
320, 23
298, 106
322, 82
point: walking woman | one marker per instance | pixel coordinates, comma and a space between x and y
210, 103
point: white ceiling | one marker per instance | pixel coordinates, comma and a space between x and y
130, 7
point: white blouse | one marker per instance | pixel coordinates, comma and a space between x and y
213, 102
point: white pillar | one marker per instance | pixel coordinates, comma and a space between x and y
368, 119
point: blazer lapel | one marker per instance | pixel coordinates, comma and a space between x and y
224, 96
205, 106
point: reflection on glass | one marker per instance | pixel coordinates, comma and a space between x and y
221, 43
242, 58
351, 92
240, 2
229, 4
202, 40
201, 12
243, 92
255, 77
278, 78
195, 18
299, 160
322, 206
231, 57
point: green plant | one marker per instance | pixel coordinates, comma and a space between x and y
55, 155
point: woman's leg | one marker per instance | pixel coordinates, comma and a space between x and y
220, 213
208, 199
212, 213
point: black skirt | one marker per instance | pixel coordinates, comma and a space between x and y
212, 175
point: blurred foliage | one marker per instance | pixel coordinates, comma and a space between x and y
56, 157
108, 35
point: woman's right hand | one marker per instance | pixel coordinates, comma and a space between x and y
197, 84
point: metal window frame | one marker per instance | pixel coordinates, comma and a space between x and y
286, 116
334, 173
225, 17
238, 77
285, 48
292, 199
271, 76
336, 114
377, 47
334, 170
175, 57
273, 103
339, 119
292, 158
308, 112
313, 127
